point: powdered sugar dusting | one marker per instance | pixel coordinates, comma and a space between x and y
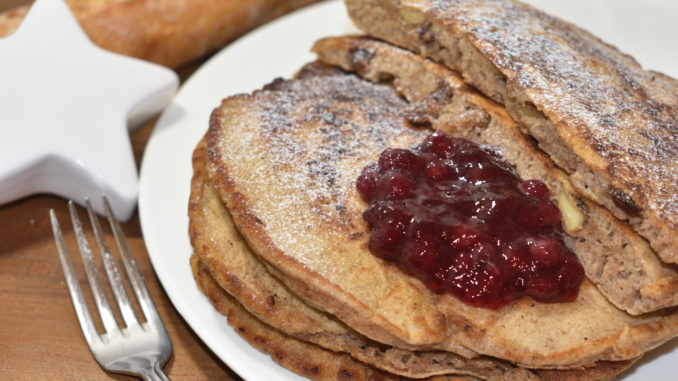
627, 116
298, 151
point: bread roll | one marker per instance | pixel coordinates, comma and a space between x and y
167, 32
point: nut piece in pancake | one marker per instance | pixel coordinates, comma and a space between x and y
605, 246
594, 110
284, 161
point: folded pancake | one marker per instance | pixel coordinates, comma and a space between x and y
284, 161
236, 273
594, 110
313, 218
621, 264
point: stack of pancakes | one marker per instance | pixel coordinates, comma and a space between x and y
276, 222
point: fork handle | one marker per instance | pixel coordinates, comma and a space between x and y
155, 374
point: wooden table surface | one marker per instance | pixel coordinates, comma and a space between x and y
40, 338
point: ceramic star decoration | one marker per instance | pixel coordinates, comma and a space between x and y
65, 105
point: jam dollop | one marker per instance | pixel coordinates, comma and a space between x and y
456, 216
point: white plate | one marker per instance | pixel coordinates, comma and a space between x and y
276, 50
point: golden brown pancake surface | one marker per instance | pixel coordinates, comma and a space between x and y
593, 109
606, 246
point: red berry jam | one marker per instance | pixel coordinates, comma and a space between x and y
457, 217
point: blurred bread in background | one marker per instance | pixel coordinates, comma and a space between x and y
167, 32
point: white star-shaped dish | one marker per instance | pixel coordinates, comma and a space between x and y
65, 105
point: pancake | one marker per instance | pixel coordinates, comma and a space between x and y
296, 355
594, 110
213, 232
284, 161
333, 223
236, 269
320, 364
605, 246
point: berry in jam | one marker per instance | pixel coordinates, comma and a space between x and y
457, 217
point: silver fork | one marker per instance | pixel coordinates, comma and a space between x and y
139, 349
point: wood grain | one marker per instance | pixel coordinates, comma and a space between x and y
40, 338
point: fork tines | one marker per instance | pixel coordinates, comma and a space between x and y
151, 339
